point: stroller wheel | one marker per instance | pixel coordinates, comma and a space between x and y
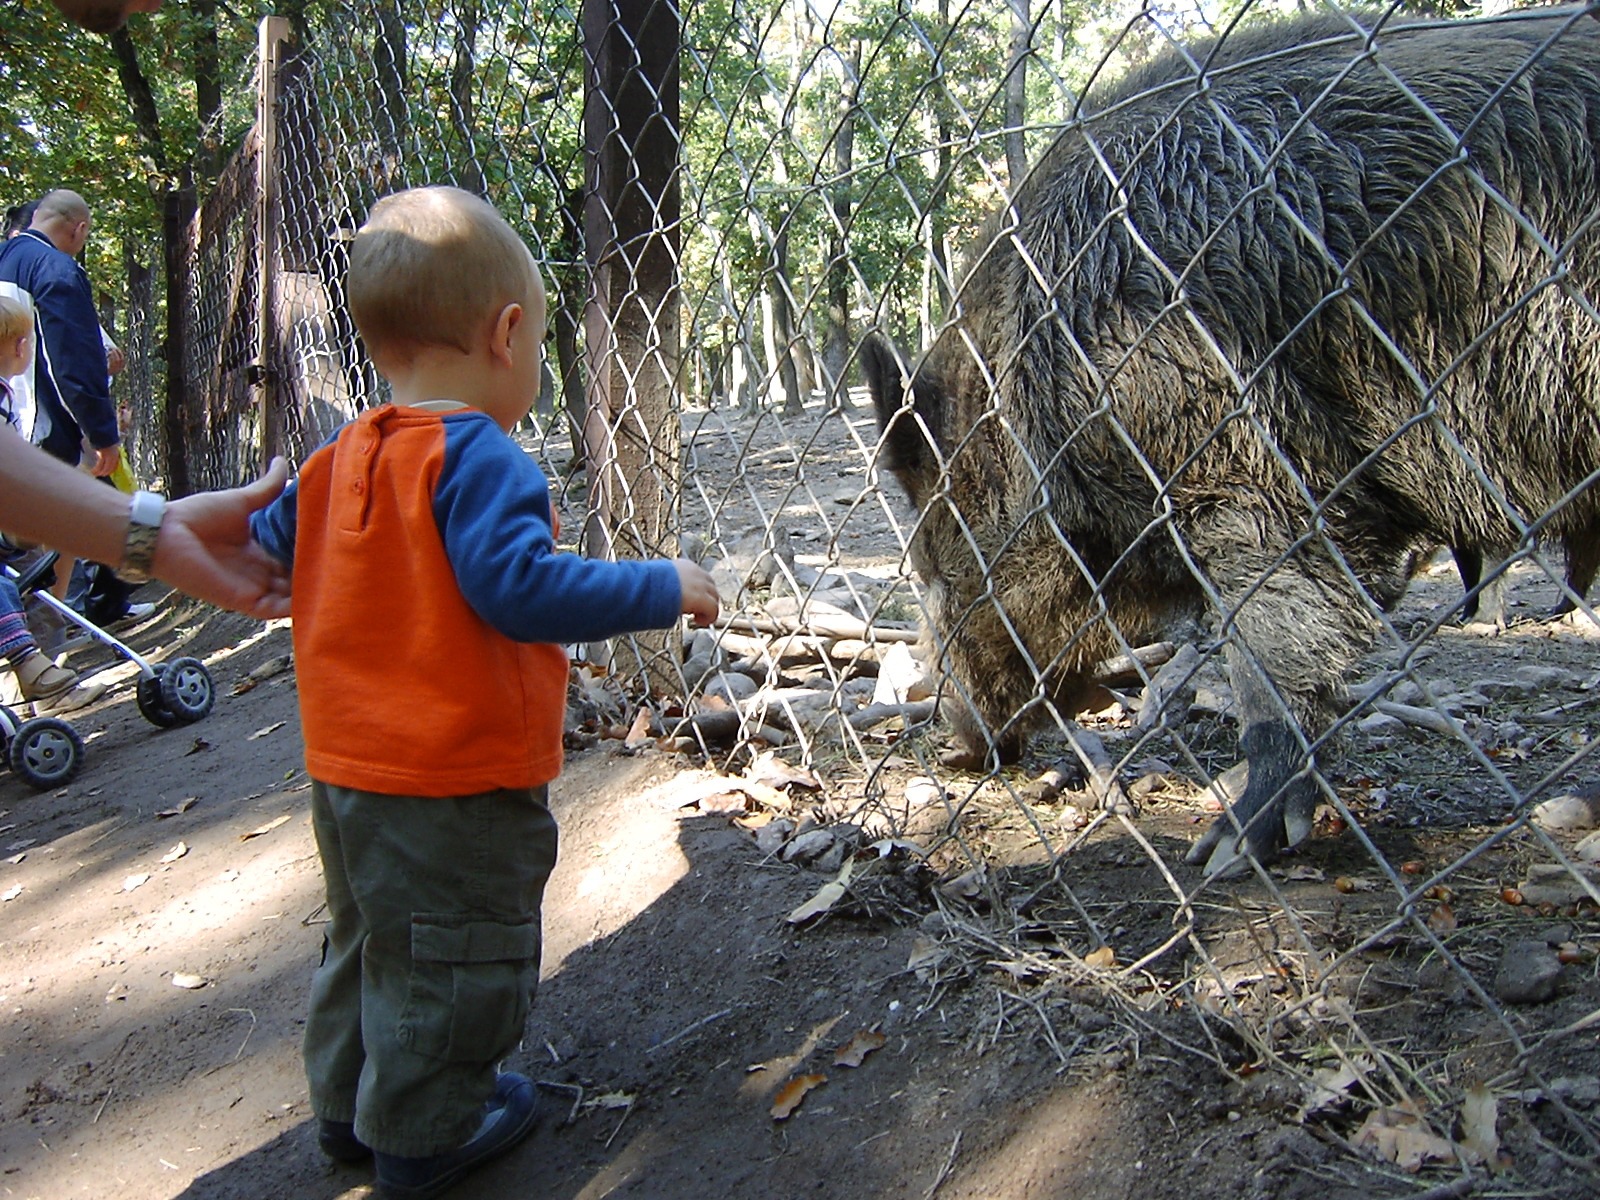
46, 752
151, 706
9, 723
186, 689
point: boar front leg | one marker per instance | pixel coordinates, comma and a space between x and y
1291, 643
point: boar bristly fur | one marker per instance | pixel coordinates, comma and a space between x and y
1251, 347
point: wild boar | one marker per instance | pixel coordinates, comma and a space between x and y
1271, 317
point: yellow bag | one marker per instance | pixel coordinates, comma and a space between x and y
122, 477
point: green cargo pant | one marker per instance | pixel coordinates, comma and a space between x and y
430, 958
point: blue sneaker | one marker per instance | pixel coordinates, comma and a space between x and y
510, 1116
339, 1142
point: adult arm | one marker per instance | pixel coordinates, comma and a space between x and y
204, 548
74, 353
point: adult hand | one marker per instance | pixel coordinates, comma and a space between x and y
700, 599
205, 548
115, 359
106, 460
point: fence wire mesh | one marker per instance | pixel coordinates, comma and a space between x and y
1233, 325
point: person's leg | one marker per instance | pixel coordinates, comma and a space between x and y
449, 892
332, 1047
39, 680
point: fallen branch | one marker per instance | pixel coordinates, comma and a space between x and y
876, 714
828, 626
1102, 774
1124, 668
1424, 718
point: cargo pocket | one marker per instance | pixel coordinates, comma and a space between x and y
471, 982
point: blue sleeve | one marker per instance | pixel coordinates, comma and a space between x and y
493, 508
274, 525
77, 357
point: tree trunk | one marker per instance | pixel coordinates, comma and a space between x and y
462, 78
836, 349
632, 217
1017, 92
390, 118
783, 332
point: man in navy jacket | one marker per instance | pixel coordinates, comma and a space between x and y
71, 389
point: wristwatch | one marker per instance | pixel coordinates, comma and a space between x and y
144, 524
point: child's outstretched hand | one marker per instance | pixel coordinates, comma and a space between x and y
700, 599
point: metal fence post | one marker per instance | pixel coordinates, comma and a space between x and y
274, 31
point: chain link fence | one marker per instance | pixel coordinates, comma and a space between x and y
1230, 341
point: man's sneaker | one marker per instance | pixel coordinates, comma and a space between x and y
508, 1118
40, 679
134, 614
339, 1142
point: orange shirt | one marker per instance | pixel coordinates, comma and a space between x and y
424, 570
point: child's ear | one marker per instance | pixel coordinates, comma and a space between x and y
505, 326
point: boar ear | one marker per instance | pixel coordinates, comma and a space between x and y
905, 444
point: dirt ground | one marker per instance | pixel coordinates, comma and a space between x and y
677, 1001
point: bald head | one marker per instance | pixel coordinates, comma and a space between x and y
63, 217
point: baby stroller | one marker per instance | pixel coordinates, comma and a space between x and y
46, 752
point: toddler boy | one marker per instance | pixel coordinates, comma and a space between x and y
429, 609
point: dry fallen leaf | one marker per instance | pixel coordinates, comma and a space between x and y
173, 855
133, 881
733, 801
261, 733
199, 744
853, 1052
639, 732
12, 892
1301, 873
1103, 958
789, 1097
1399, 1136
179, 809
191, 982
827, 896
243, 686
267, 828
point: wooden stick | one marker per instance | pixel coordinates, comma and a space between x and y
830, 625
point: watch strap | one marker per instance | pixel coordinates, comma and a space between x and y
144, 526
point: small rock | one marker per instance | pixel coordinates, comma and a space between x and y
921, 790
770, 837
831, 861
901, 679
808, 846
1546, 679
732, 686
1528, 973
1567, 813
1381, 725
1588, 850
1503, 689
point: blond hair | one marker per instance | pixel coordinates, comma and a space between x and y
16, 316
434, 266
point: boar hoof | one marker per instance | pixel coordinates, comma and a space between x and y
959, 758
